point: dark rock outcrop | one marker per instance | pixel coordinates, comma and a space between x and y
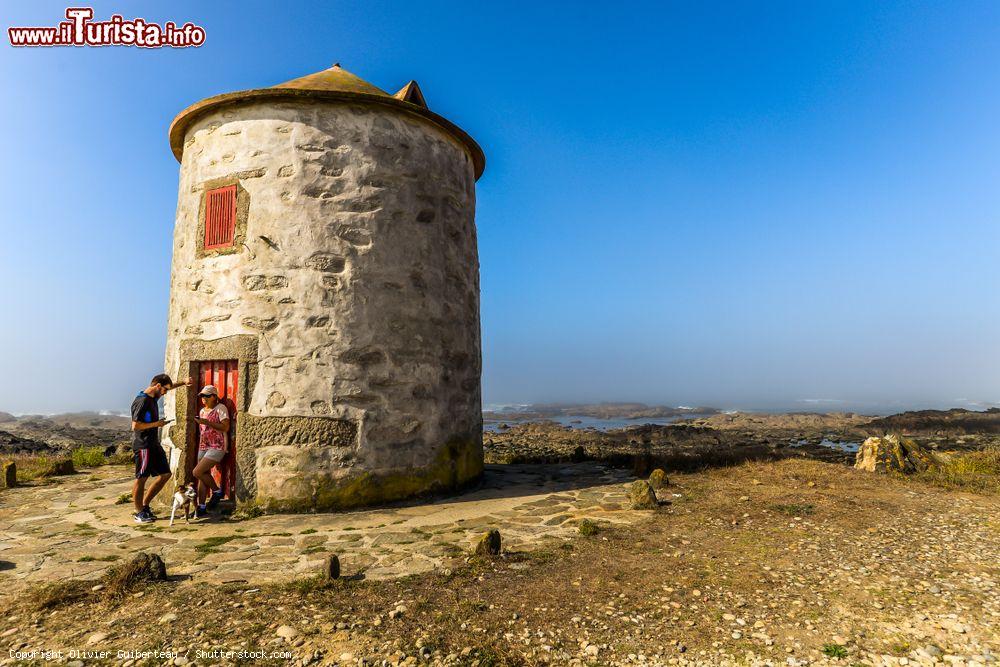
938, 422
13, 444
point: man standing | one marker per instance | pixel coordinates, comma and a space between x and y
150, 459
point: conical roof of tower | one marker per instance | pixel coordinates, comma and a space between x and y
335, 78
332, 84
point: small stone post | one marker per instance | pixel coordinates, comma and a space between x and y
658, 479
489, 543
641, 496
9, 470
331, 567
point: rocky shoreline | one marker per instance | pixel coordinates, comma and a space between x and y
39, 434
689, 443
724, 439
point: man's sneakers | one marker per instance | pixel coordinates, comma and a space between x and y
200, 512
213, 502
144, 516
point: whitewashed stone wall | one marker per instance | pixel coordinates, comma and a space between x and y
359, 278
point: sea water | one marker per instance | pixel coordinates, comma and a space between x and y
585, 422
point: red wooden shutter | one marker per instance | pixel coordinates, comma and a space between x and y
220, 217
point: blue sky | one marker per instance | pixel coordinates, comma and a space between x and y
780, 204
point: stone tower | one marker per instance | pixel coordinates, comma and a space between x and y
325, 258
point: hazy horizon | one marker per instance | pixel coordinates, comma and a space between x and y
772, 205
800, 405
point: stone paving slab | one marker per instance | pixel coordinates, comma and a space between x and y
75, 529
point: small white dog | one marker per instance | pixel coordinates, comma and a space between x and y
184, 497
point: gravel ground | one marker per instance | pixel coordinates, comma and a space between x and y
783, 563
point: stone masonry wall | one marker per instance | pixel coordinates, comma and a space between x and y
358, 274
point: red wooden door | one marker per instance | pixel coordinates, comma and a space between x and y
224, 376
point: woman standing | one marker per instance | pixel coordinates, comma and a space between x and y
213, 443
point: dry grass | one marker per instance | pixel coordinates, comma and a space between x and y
31, 468
36, 467
970, 471
58, 594
118, 582
138, 572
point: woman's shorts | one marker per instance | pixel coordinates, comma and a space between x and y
211, 454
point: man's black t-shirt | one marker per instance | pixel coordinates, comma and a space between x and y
145, 410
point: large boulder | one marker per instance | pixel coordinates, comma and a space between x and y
891, 453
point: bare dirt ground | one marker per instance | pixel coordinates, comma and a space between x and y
787, 562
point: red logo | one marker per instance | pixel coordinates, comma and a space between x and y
81, 30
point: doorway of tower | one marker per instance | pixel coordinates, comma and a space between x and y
223, 375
